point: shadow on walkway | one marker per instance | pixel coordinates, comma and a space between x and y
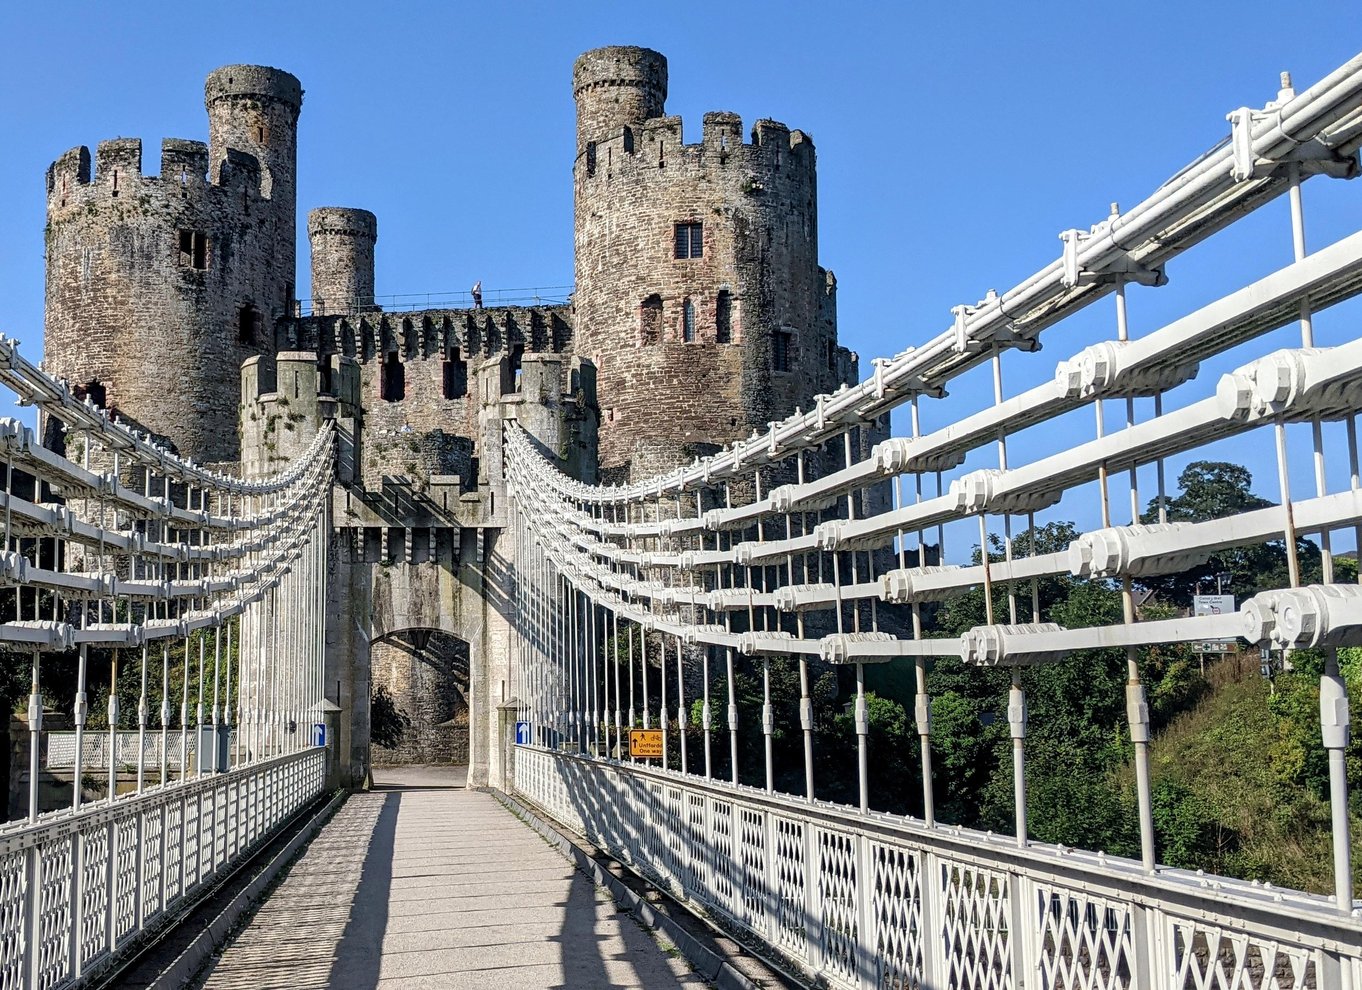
359, 954
425, 885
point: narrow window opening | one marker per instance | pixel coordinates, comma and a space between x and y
392, 386
832, 356
455, 376
782, 346
591, 158
650, 320
115, 183
194, 249
248, 326
516, 363
689, 240
688, 321
723, 317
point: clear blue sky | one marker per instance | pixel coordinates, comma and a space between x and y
954, 140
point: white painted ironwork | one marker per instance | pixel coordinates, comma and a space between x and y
203, 595
796, 542
875, 900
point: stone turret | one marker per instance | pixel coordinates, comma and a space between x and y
254, 109
615, 87
342, 242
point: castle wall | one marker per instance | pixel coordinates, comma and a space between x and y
746, 331
443, 380
427, 683
160, 286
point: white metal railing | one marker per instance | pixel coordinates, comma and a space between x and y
203, 596
61, 750
80, 885
878, 901
179, 746
814, 541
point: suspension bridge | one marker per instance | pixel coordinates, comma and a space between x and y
627, 604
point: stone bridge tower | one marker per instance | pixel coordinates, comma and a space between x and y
160, 286
698, 291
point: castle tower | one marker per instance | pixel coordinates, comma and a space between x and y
698, 292
160, 286
342, 243
617, 87
254, 108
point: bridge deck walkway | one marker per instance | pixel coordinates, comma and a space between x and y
421, 883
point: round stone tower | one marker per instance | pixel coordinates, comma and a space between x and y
698, 291
254, 109
160, 286
342, 243
617, 86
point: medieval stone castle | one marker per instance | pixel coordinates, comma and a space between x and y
700, 313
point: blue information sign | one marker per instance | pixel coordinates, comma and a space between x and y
522, 733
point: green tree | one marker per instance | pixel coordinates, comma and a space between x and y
387, 723
1215, 490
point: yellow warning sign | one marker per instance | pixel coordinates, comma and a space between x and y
645, 744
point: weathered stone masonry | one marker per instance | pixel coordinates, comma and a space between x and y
700, 314
693, 352
158, 287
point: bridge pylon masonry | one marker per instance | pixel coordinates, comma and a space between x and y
418, 557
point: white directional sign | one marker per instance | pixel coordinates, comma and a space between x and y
1213, 605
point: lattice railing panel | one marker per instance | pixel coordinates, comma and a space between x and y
897, 912
15, 940
1206, 957
54, 878
94, 891
1085, 942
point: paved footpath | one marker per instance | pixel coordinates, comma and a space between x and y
422, 884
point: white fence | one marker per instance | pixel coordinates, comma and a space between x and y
60, 753
878, 901
78, 886
180, 748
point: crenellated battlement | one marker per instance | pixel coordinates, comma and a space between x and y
770, 149
436, 333
117, 175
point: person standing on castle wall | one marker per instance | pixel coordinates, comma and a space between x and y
477, 294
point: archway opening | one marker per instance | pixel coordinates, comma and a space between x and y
419, 699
